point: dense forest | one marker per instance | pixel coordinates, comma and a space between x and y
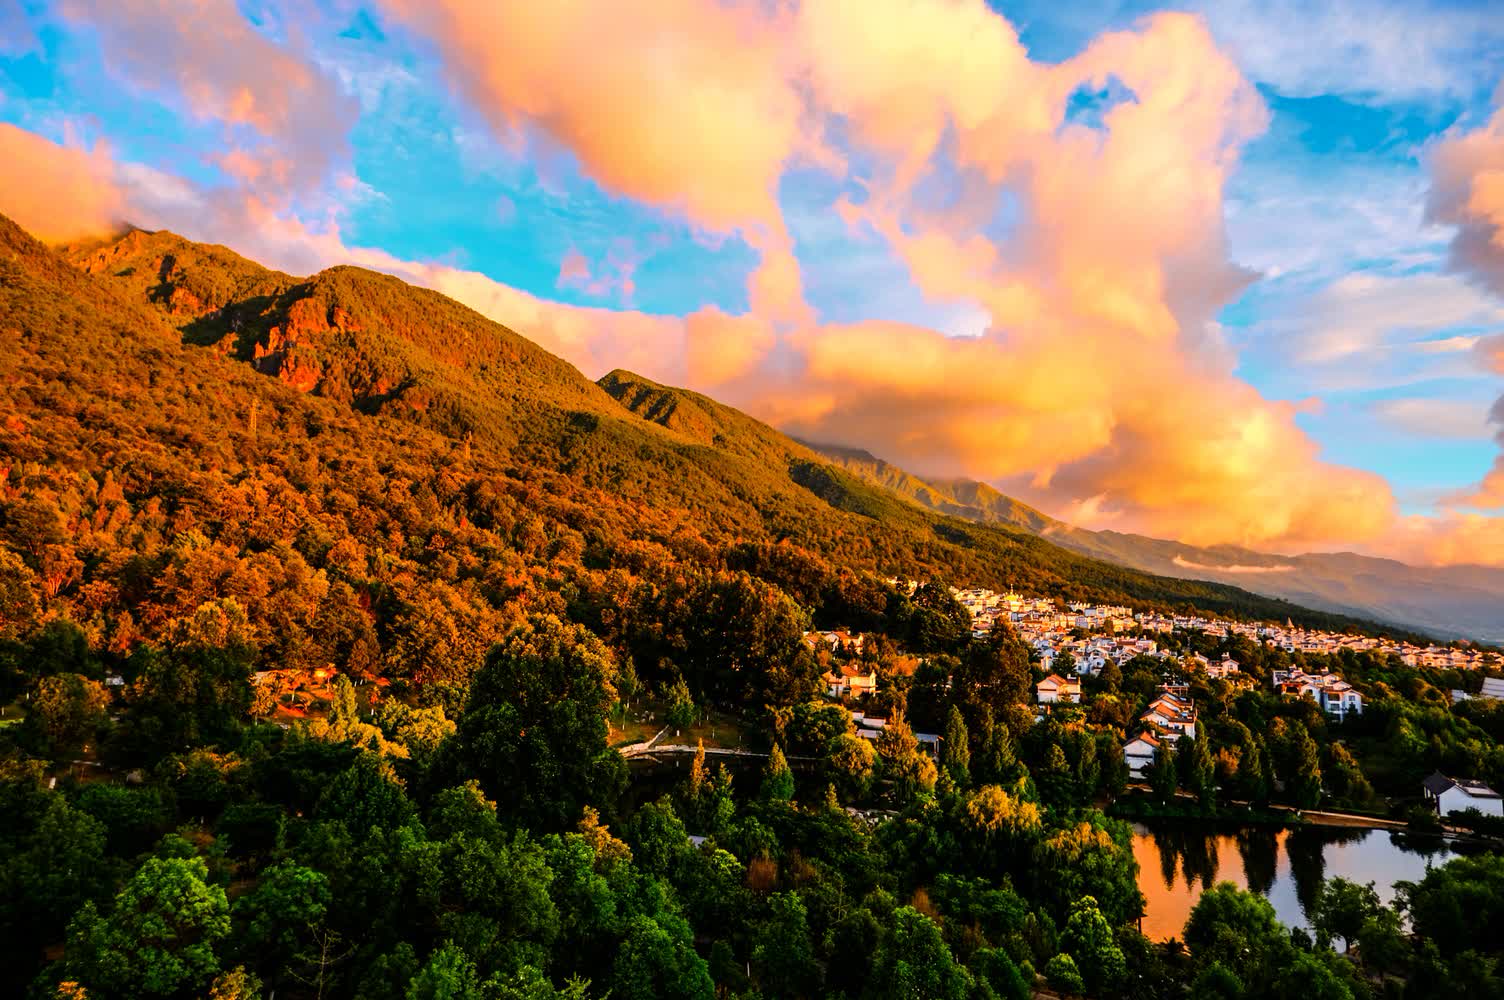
327, 605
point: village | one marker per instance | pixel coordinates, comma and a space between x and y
1077, 640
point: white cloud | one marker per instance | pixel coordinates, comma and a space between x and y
1364, 48
1459, 419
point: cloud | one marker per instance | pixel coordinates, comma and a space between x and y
57, 192
1435, 418
1410, 51
1096, 249
287, 121
687, 106
1467, 191
1233, 567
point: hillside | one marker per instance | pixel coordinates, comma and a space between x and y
1451, 601
381, 478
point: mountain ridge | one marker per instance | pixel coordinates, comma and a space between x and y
688, 478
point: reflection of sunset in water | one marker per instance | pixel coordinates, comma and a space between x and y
1178, 861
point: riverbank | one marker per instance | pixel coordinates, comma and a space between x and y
1139, 804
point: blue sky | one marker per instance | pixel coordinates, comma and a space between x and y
1350, 302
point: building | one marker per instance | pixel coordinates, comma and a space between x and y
1450, 795
849, 680
1140, 752
1223, 668
1171, 713
1056, 688
1335, 695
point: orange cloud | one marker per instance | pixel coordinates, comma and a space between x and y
1467, 191
57, 193
679, 103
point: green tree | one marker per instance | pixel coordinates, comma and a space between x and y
909, 768
1088, 939
158, 939
681, 706
1063, 975
783, 959
1304, 781
534, 732
914, 961
657, 961
956, 749
449, 974
277, 919
1161, 773
778, 779
1198, 772
852, 762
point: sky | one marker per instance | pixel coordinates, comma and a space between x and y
1230, 272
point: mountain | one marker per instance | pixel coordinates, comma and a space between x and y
1450, 601
378, 477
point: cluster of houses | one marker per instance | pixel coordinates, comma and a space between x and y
1169, 716
1046, 626
1335, 696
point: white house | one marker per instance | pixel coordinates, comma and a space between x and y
1173, 714
1335, 695
1449, 795
1139, 752
1056, 688
1222, 668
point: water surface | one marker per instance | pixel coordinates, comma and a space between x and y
1178, 860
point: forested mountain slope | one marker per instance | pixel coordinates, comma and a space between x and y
384, 479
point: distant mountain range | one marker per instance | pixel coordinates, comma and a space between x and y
1446, 601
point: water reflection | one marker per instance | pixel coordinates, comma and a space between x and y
1179, 860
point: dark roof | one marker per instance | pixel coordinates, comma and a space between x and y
1437, 783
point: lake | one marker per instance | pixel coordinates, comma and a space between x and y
1179, 859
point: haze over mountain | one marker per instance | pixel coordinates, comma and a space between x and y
1453, 601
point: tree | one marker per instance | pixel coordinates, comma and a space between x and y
1162, 771
1253, 770
277, 918
1304, 781
955, 749
914, 961
197, 689
1062, 974
159, 938
449, 974
681, 706
852, 762
69, 708
534, 731
1198, 772
1239, 931
995, 671
778, 780
1088, 939
366, 797
1345, 777
782, 956
909, 768
657, 961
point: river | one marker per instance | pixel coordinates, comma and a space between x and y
1179, 859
